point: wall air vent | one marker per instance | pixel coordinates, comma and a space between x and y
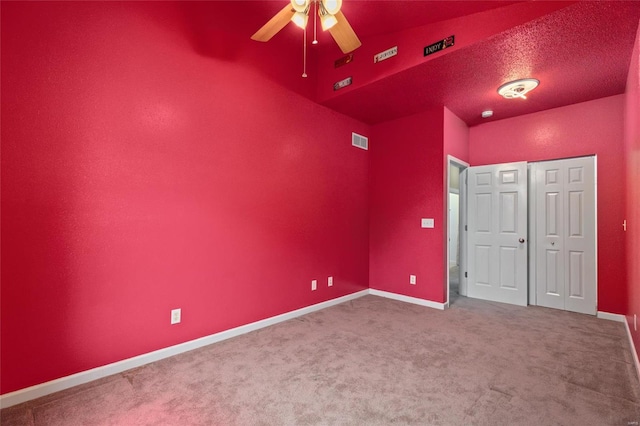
359, 141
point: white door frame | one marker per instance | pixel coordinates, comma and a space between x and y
464, 219
532, 238
453, 161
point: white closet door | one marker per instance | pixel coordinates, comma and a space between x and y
497, 232
566, 234
549, 217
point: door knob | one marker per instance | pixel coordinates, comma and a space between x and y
521, 240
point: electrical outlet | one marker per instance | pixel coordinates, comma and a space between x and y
176, 315
412, 279
314, 285
330, 281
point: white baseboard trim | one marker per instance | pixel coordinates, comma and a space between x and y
633, 348
611, 317
408, 299
37, 391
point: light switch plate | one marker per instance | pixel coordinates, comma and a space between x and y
176, 316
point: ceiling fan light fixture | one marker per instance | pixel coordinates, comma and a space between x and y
300, 5
300, 19
328, 21
298, 11
518, 88
332, 6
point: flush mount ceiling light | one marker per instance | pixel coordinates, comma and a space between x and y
486, 114
518, 88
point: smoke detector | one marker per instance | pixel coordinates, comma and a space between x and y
518, 88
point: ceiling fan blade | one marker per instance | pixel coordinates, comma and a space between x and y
344, 35
275, 24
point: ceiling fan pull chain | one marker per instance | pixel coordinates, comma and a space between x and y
315, 22
304, 53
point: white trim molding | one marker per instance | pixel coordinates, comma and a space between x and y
611, 317
40, 390
408, 299
622, 318
633, 348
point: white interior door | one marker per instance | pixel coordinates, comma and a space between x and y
497, 233
565, 234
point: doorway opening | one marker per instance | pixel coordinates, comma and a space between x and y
455, 168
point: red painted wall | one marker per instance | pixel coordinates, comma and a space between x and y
456, 138
408, 175
141, 174
406, 181
211, 33
594, 127
632, 214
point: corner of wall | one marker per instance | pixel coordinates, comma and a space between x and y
632, 191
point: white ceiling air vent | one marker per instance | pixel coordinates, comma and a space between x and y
359, 141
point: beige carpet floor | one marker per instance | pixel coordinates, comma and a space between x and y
374, 361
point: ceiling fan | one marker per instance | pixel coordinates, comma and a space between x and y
331, 18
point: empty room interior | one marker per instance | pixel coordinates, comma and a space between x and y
320, 212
